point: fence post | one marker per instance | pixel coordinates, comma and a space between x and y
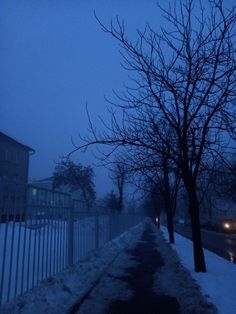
96, 230
110, 226
70, 235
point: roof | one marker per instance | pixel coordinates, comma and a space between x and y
12, 140
48, 179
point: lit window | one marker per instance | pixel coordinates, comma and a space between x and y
34, 192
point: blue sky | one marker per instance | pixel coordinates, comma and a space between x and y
53, 59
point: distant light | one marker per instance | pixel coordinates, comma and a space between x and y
231, 257
227, 226
157, 220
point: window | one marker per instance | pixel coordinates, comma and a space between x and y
7, 155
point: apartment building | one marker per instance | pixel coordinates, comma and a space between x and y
14, 165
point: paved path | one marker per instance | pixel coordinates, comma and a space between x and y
127, 286
140, 280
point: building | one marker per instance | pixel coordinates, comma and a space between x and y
47, 183
42, 193
14, 165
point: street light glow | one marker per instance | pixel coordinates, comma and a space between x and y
226, 225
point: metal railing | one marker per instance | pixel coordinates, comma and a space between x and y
42, 232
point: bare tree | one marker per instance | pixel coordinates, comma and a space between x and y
183, 95
153, 200
170, 192
155, 174
225, 179
119, 175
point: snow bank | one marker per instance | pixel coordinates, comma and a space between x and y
218, 284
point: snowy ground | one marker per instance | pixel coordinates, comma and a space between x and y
218, 284
110, 287
100, 273
57, 294
170, 280
31, 252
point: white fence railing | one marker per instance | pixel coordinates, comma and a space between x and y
47, 234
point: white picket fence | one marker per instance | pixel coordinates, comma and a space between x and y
46, 237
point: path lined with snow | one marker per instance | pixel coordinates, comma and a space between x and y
146, 279
127, 286
59, 293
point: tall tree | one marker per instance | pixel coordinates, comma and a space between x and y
155, 174
112, 202
225, 179
184, 94
119, 175
153, 201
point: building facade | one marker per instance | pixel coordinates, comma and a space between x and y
14, 165
43, 192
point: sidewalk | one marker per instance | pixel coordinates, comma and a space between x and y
136, 273
145, 279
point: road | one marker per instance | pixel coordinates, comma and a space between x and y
219, 243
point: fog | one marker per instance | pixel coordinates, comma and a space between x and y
54, 58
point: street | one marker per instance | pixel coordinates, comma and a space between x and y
222, 244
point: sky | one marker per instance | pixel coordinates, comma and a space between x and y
54, 58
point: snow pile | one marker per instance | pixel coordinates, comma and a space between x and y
218, 284
57, 294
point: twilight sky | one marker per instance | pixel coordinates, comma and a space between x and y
53, 59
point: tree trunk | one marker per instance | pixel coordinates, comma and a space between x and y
167, 199
86, 200
199, 260
170, 226
159, 221
120, 186
120, 202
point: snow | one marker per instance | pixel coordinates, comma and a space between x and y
218, 283
110, 286
57, 294
102, 269
31, 252
171, 279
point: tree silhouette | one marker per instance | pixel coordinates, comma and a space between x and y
182, 101
77, 177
